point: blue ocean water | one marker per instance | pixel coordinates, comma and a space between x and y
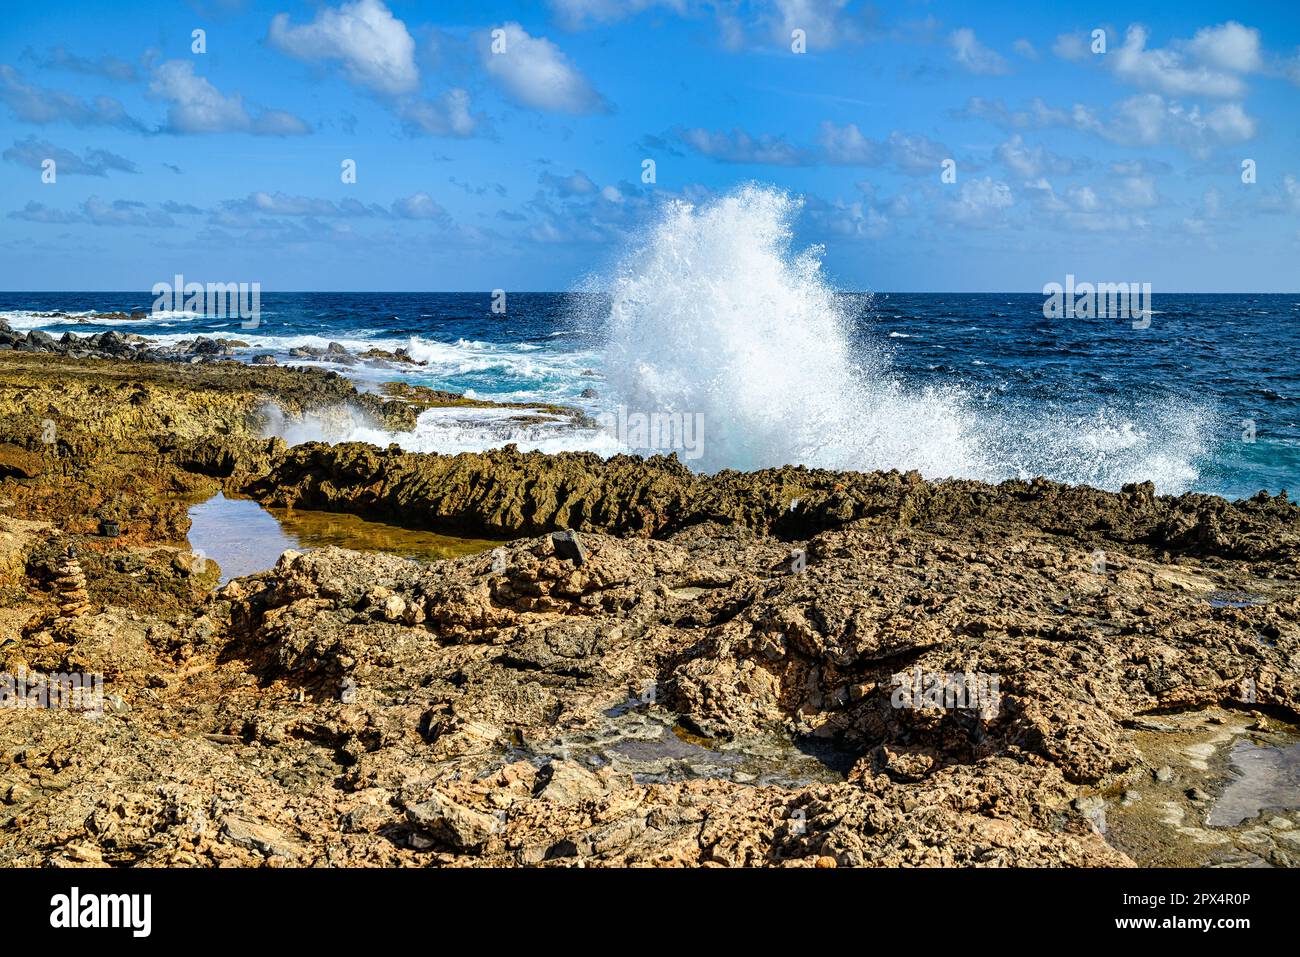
1206, 399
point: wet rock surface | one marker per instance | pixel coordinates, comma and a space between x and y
698, 672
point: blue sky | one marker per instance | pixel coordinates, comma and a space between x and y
522, 169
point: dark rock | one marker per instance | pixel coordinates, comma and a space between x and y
569, 547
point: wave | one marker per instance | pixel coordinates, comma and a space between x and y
716, 313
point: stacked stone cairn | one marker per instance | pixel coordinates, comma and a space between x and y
70, 586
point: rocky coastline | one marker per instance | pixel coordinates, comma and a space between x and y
708, 672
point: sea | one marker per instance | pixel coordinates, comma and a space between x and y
716, 337
1206, 398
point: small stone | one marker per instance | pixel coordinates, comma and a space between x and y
452, 823
394, 607
1131, 797
1280, 824
258, 837
826, 861
1196, 794
17, 794
1164, 774
563, 782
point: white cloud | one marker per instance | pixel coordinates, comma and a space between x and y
740, 147
1029, 162
823, 21
32, 152
448, 116
916, 154
973, 55
848, 147
1071, 46
33, 104
534, 72
1145, 119
1136, 192
376, 50
196, 105
574, 14
199, 107
1229, 46
579, 184
1150, 120
419, 206
1168, 71
980, 202
1025, 49
279, 123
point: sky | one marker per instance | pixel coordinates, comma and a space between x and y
935, 146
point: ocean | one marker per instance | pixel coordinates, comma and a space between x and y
1207, 398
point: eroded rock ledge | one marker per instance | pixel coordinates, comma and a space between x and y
686, 695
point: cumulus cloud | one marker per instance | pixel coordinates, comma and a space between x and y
111, 67
449, 115
1136, 192
826, 23
196, 106
284, 204
1229, 46
847, 146
33, 104
739, 146
1072, 46
979, 202
1025, 49
578, 184
1145, 119
419, 206
535, 73
1029, 162
574, 14
1168, 71
32, 152
975, 56
97, 212
374, 47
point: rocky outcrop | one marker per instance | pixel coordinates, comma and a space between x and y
505, 492
783, 668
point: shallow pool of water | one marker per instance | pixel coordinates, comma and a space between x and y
244, 538
1267, 778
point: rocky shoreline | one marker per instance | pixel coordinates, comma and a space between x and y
708, 673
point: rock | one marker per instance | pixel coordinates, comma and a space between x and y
264, 359
448, 822
1164, 774
569, 547
267, 840
1196, 794
17, 462
564, 782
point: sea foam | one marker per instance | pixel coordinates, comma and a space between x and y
716, 312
